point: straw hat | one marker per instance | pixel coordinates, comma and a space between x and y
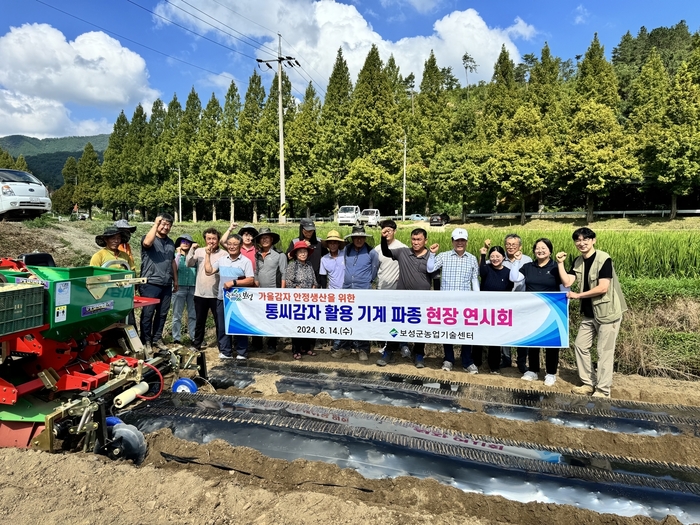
333, 235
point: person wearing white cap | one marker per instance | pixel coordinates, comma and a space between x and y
460, 271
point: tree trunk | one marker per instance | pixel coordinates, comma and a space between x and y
177, 218
233, 209
589, 208
464, 208
427, 203
336, 207
213, 211
674, 206
145, 214
371, 202
522, 211
255, 212
308, 212
194, 213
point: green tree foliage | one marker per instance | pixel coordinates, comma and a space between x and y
62, 199
431, 130
87, 191
205, 157
21, 164
677, 146
231, 181
520, 162
306, 184
597, 155
334, 141
6, 160
544, 133
596, 79
374, 133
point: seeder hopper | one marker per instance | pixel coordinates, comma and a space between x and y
69, 358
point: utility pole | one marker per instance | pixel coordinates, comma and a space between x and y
404, 176
179, 190
290, 62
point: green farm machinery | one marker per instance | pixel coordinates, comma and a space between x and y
69, 358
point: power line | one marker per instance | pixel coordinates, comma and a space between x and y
256, 43
304, 70
311, 78
191, 31
225, 75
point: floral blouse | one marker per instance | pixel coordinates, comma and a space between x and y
300, 275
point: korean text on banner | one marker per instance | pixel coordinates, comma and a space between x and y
525, 319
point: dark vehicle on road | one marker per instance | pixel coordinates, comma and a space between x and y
439, 219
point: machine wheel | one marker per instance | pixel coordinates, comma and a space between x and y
184, 384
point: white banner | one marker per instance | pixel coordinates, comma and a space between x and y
525, 319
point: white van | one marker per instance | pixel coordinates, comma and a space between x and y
370, 217
22, 194
349, 215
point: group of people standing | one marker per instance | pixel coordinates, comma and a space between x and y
198, 277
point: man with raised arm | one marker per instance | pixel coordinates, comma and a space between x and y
602, 306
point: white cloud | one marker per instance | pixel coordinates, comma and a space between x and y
316, 29
581, 15
39, 117
41, 72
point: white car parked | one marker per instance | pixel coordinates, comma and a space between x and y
370, 217
349, 215
22, 194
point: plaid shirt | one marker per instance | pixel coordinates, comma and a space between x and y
457, 272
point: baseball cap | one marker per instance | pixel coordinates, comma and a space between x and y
460, 233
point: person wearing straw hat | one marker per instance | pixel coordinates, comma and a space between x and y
361, 265
109, 241
270, 265
127, 231
332, 271
186, 281
300, 274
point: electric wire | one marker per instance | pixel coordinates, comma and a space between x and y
191, 31
225, 75
311, 78
256, 43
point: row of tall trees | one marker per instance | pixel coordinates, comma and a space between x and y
545, 133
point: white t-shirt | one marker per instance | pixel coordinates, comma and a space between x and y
388, 274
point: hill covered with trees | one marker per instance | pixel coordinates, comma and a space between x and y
546, 133
45, 158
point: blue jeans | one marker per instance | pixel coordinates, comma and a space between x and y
153, 317
241, 341
184, 295
466, 356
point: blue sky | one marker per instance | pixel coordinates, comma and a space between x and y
63, 76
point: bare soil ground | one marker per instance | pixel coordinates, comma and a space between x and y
247, 487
